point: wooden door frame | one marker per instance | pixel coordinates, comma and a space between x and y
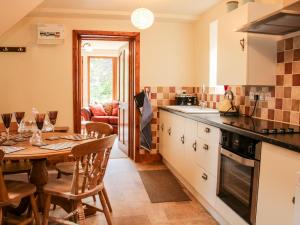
134, 80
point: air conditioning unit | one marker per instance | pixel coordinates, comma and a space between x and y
50, 34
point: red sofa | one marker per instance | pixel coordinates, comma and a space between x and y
105, 113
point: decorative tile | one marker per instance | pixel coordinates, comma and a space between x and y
288, 69
279, 80
287, 92
288, 44
296, 54
280, 57
296, 80
289, 55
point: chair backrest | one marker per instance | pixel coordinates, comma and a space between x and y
93, 156
3, 191
98, 129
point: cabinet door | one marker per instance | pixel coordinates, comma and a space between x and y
277, 185
177, 143
162, 131
232, 56
207, 155
165, 134
191, 169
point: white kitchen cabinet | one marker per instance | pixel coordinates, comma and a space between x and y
245, 59
186, 152
277, 185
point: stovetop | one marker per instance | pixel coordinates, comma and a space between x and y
263, 126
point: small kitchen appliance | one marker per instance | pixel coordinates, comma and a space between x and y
226, 107
186, 99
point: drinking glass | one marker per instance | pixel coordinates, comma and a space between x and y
52, 115
6, 118
19, 117
39, 120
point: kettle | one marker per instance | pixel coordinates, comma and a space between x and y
226, 106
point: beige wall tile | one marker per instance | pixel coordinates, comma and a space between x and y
295, 117
287, 104
296, 92
280, 68
288, 55
296, 67
279, 92
287, 80
278, 115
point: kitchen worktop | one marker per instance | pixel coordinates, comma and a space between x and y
289, 141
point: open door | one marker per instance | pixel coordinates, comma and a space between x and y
123, 78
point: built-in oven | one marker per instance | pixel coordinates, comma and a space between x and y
238, 176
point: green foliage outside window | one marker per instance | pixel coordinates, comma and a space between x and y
101, 80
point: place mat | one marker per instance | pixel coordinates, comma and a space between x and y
76, 137
59, 146
162, 186
11, 149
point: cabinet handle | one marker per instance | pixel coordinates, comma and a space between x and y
169, 131
205, 147
162, 127
242, 43
195, 146
182, 139
207, 130
294, 200
204, 176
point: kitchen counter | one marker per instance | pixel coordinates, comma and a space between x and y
289, 141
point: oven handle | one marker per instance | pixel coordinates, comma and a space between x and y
237, 158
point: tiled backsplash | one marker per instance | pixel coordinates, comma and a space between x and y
281, 102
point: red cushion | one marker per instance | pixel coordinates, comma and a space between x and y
115, 108
98, 110
113, 120
103, 119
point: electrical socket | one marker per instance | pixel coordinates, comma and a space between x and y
253, 96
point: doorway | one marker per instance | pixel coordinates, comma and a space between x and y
116, 74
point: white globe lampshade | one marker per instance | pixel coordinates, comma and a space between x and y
142, 18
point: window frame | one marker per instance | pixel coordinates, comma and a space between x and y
114, 78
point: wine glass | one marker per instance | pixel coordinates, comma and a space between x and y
52, 115
6, 118
39, 120
19, 117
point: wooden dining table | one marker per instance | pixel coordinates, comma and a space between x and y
39, 172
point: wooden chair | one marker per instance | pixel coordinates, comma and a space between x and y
11, 192
94, 155
94, 129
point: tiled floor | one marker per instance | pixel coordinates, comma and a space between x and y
131, 204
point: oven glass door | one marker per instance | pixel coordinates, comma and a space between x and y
236, 182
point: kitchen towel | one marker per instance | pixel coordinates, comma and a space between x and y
147, 115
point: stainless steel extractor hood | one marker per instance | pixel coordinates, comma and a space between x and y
281, 22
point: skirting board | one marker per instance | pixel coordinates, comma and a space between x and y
197, 196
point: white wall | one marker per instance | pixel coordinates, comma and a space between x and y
42, 77
201, 29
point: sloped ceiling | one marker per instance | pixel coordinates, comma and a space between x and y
12, 11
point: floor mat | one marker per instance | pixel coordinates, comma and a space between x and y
162, 186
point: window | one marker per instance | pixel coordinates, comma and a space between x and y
102, 79
213, 57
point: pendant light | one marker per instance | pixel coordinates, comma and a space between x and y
142, 18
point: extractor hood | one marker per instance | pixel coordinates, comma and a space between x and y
281, 22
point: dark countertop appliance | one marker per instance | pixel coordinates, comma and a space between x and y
186, 99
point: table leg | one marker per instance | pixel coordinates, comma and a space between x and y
39, 177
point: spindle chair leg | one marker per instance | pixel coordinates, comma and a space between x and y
105, 208
35, 210
80, 211
46, 209
107, 199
